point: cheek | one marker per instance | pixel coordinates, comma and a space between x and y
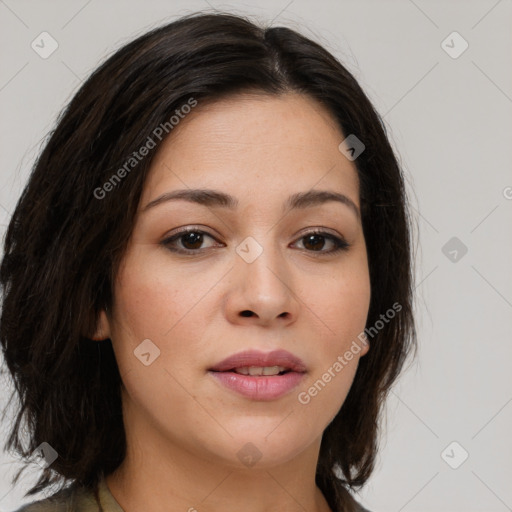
325, 390
159, 302
342, 305
153, 298
339, 348
155, 303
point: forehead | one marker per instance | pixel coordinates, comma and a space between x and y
255, 146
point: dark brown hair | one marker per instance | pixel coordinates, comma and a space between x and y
64, 244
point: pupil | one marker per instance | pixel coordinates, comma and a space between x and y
317, 245
194, 239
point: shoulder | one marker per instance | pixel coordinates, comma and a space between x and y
70, 499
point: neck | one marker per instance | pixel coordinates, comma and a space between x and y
160, 475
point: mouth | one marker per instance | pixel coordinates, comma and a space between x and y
258, 375
257, 371
254, 362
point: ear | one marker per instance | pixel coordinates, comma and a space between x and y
102, 331
365, 346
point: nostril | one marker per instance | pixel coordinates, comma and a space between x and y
246, 313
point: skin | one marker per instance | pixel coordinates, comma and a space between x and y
183, 428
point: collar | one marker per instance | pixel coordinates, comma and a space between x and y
108, 502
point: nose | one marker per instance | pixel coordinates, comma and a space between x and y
262, 292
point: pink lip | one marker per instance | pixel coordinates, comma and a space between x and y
260, 387
257, 358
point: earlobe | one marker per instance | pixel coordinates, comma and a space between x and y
102, 331
365, 346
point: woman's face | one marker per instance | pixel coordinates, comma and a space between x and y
252, 276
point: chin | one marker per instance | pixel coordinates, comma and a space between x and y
262, 449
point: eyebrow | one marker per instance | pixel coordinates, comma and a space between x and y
215, 198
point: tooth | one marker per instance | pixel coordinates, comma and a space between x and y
271, 370
258, 370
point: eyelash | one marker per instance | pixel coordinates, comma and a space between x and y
340, 243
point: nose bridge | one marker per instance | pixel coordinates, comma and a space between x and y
260, 259
263, 277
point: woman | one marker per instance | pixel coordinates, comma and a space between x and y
208, 280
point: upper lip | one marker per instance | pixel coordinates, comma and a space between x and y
261, 359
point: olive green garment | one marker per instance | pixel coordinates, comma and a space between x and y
79, 499
76, 499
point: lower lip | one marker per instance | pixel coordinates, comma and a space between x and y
269, 387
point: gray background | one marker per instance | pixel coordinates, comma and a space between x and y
450, 119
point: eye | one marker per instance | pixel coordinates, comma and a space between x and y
191, 240
315, 241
